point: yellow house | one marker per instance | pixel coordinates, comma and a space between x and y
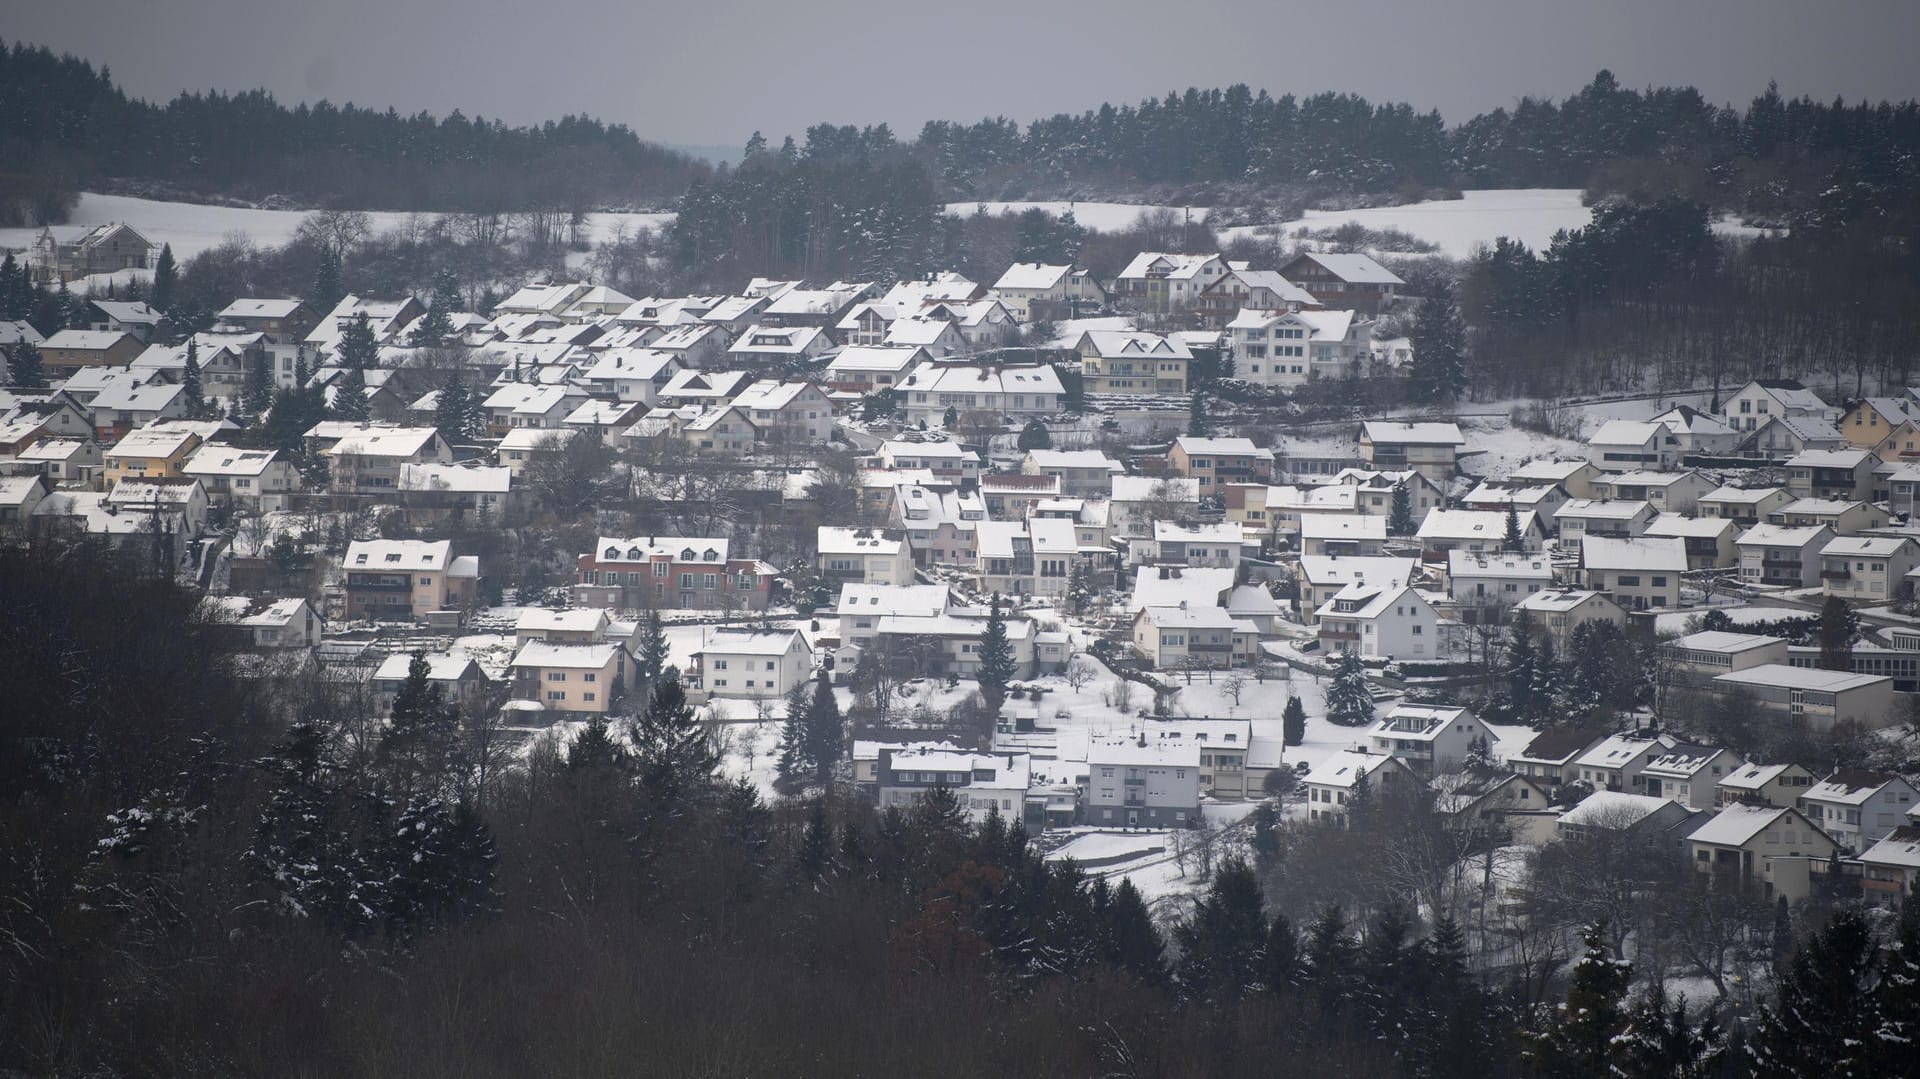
1870, 420
569, 677
151, 453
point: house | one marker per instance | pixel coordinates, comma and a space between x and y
1132, 363
1669, 492
1430, 740
523, 404
670, 571
62, 461
776, 348
1770, 398
69, 352
1346, 534
1846, 518
1695, 658
160, 451
1018, 393
1765, 784
266, 624
1846, 474
1224, 748
1543, 500
126, 405
1866, 568
1275, 512
1560, 611
1248, 291
1632, 446
1336, 780
1160, 282
949, 462
120, 316
948, 643
240, 477
940, 337
1321, 577
1344, 280
1138, 501
1639, 573
72, 253
1011, 497
522, 445
1031, 558
1868, 422
1488, 802
1142, 783
786, 413
1785, 557
278, 321
569, 679
1641, 817
1191, 635
864, 556
1768, 848
750, 664
1784, 436
585, 626
1477, 531
1190, 545
1574, 477
1858, 808
1745, 506
1431, 449
388, 319
985, 784
406, 579
1082, 473
1485, 585
1690, 774
1373, 493
872, 368
1890, 867
1215, 462
1710, 541
1284, 350
1817, 698
1615, 762
1038, 292
456, 675
632, 374
19, 495
473, 492
1551, 757
862, 606
1379, 621
367, 459
1691, 432
942, 526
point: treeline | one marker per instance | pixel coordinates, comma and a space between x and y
64, 126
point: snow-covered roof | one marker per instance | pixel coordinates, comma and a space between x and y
441, 666
464, 479
1221, 447
1900, 847
1850, 786
86, 340
1614, 809
982, 378
1848, 459
676, 548
1353, 526
413, 555
1168, 586
1866, 546
1742, 496
1620, 749
835, 539
1675, 524
1530, 567
255, 307
1735, 825
1652, 553
1753, 777
544, 654
1783, 676
1195, 617
923, 600
1400, 433
1344, 769
1320, 569
1453, 524
1626, 433
1724, 642
1772, 535
731, 641
214, 459
1559, 600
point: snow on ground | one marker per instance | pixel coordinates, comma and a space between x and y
192, 228
1676, 622
1498, 447
1457, 226
1101, 216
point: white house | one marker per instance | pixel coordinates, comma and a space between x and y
1632, 446
1773, 554
1638, 573
1375, 621
1497, 581
1767, 398
1858, 807
1194, 635
865, 556
1430, 740
751, 664
1332, 783
1864, 568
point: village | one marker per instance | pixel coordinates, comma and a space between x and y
1043, 540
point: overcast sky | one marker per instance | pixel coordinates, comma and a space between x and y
712, 72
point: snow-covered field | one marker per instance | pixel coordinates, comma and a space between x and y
1100, 216
193, 228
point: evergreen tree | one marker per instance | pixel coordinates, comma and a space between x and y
650, 657
1663, 1039
1329, 967
1220, 946
756, 145
1400, 518
452, 409
950, 419
350, 395
1350, 697
1129, 941
1439, 347
793, 766
327, 292
1578, 1044
1897, 1011
1293, 722
166, 277
1824, 1020
1079, 588
15, 291
440, 865
24, 368
1513, 542
419, 753
358, 350
594, 747
1521, 661
1280, 958
433, 329
826, 731
1197, 416
674, 757
1034, 436
190, 389
1836, 635
996, 661
815, 854
256, 393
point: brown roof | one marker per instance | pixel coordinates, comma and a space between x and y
1015, 481
1561, 743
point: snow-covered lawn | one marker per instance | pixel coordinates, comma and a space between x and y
1677, 621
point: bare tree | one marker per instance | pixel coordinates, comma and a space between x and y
1234, 685
1079, 672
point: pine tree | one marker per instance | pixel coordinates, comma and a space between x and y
1079, 587
815, 855
1823, 1022
166, 278
440, 865
950, 419
24, 367
1350, 697
12, 292
1521, 659
1293, 722
996, 668
756, 145
256, 393
674, 757
1836, 635
793, 766
419, 752
433, 329
350, 395
1578, 1043
1400, 519
1665, 1040
1897, 1009
452, 408
595, 748
826, 731
1513, 542
1439, 347
327, 292
650, 657
1197, 416
190, 383
1280, 958
1220, 946
358, 350
1329, 967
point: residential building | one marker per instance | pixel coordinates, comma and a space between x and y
1560, 611
1142, 783
1784, 557
1866, 568
240, 477
1333, 783
1321, 577
1842, 474
1846, 518
864, 556
1765, 848
366, 459
1639, 573
1640, 817
1131, 363
1344, 280
1342, 534
1018, 393
1160, 282
69, 352
407, 579
1037, 292
1765, 784
1375, 621
1633, 446
670, 571
872, 368
1224, 746
985, 784
1615, 763
278, 321
1711, 542
1744, 506
1191, 635
1430, 448
1216, 462
1574, 477
1669, 492
160, 451
1890, 867
1082, 473
470, 492
1430, 740
1858, 808
570, 679
1690, 774
460, 680
1485, 586
1475, 531
750, 664
1030, 558
1551, 758
1769, 398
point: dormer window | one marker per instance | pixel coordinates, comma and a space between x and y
686, 555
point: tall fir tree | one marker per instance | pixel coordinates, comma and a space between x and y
1835, 635
1521, 659
1197, 416
1293, 722
1400, 516
674, 756
256, 392
166, 280
196, 398
826, 730
350, 395
1513, 542
1129, 940
1439, 347
24, 367
452, 409
1663, 1038
358, 350
650, 655
433, 329
1350, 697
419, 754
996, 668
327, 291
1221, 944
1579, 1041
1824, 1019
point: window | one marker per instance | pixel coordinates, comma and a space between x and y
556, 676
587, 677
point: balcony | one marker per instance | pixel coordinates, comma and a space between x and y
1133, 781
1840, 574
1198, 647
1338, 635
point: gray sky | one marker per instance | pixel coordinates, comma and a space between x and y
712, 72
